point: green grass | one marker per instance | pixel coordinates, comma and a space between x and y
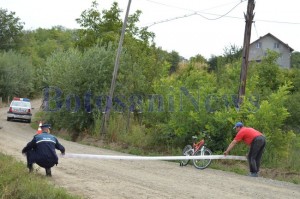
241, 167
17, 183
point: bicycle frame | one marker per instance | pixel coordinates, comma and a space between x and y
198, 145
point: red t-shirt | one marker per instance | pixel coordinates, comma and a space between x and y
247, 135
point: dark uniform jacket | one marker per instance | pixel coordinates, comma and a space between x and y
41, 150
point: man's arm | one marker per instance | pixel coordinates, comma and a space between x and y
60, 147
231, 145
30, 145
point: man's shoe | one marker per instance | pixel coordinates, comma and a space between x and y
30, 167
48, 172
253, 175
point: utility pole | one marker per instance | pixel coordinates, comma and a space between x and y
247, 35
116, 67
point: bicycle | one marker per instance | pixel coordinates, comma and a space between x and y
198, 149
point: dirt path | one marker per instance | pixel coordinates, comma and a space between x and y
94, 178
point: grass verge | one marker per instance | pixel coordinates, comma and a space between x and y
16, 182
241, 167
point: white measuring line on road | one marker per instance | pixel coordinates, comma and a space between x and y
122, 157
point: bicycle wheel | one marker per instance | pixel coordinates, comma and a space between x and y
202, 163
187, 151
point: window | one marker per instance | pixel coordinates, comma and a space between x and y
258, 45
276, 45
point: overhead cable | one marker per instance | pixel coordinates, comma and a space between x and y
194, 13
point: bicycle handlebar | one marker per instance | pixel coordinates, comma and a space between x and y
204, 133
194, 137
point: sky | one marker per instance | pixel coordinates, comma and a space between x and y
189, 27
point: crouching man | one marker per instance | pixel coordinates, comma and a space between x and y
41, 150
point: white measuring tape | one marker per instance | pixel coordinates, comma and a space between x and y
122, 157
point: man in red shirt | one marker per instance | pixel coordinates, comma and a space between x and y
255, 140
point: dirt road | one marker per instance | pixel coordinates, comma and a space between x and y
109, 179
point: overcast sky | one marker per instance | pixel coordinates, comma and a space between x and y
217, 24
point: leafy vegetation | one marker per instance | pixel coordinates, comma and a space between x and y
295, 60
16, 75
11, 30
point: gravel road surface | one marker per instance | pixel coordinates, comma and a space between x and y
94, 178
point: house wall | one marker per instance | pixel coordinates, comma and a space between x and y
269, 43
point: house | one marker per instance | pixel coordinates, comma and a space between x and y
258, 49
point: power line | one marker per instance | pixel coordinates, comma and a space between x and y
220, 16
281, 22
257, 35
223, 5
255, 30
223, 14
201, 13
180, 8
171, 19
195, 13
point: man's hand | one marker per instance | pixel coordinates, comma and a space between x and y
231, 145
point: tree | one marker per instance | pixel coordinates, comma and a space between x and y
270, 76
293, 106
40, 43
10, 30
99, 27
174, 60
104, 27
212, 63
198, 58
295, 60
232, 53
15, 75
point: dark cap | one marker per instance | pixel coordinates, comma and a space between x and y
46, 126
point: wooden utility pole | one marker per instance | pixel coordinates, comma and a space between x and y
247, 36
116, 67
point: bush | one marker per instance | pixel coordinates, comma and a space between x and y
16, 75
